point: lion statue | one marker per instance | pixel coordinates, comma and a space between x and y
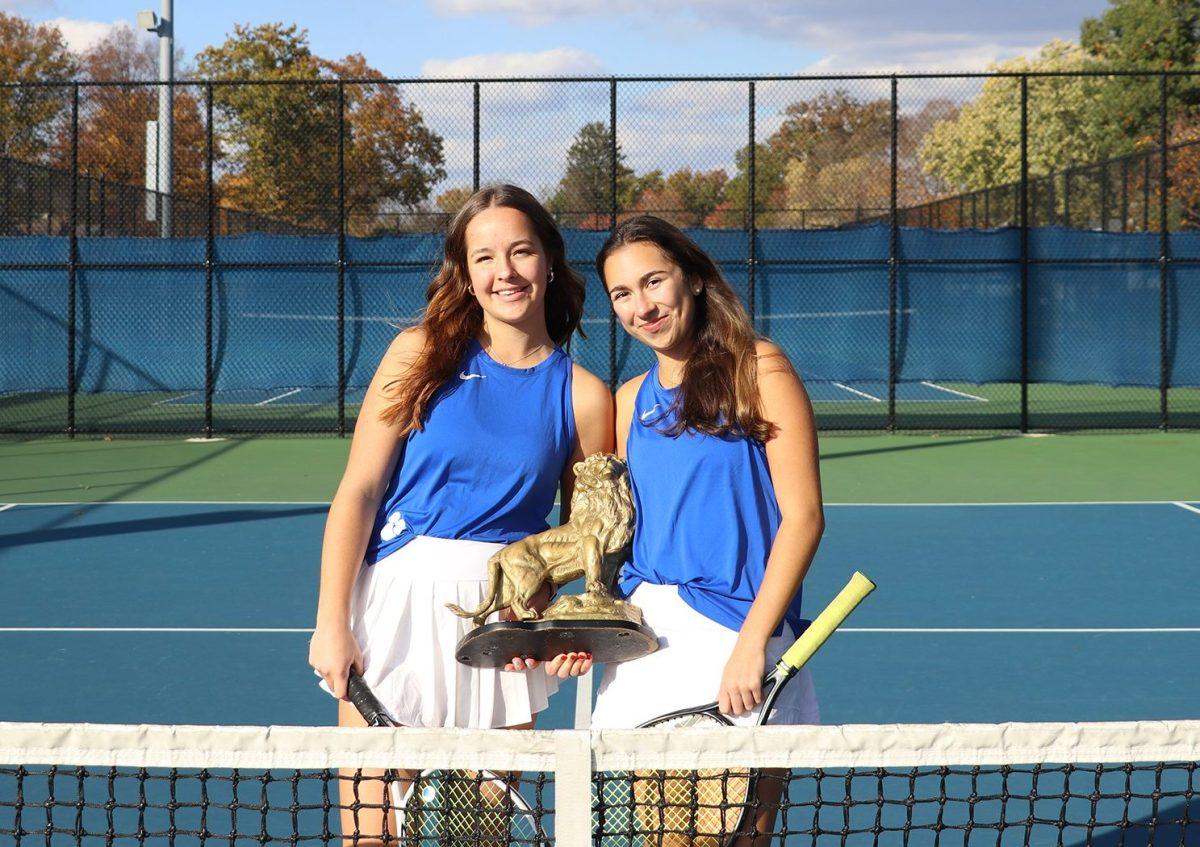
592, 544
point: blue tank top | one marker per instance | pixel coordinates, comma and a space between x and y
706, 512
487, 465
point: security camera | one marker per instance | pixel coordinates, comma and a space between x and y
147, 20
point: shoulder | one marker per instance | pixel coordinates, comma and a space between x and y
406, 346
587, 383
627, 393
773, 363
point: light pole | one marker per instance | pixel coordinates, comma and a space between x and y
164, 27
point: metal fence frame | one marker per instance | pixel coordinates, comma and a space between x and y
896, 216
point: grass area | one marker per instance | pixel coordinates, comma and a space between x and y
855, 468
996, 406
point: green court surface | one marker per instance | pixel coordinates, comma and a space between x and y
946, 468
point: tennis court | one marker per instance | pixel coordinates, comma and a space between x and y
1021, 580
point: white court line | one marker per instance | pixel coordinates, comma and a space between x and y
1187, 506
280, 316
870, 397
870, 630
280, 396
952, 391
173, 399
6, 507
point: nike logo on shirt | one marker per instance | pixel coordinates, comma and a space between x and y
649, 413
465, 375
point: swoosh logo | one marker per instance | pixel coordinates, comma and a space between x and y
649, 413
465, 375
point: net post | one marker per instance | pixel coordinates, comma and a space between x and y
208, 261
1164, 260
1024, 223
893, 257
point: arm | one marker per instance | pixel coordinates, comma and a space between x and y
792, 459
593, 406
373, 455
626, 395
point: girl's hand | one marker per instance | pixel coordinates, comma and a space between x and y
521, 664
741, 682
332, 652
569, 664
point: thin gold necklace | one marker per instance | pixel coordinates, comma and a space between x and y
488, 350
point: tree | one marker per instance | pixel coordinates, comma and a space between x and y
31, 115
112, 120
1146, 35
981, 146
685, 198
584, 196
285, 137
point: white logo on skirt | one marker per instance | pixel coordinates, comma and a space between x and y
394, 526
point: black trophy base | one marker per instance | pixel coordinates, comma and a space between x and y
493, 645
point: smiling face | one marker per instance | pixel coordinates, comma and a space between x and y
653, 300
507, 265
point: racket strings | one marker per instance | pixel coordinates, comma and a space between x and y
676, 808
466, 807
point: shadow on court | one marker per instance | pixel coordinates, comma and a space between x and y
926, 445
58, 532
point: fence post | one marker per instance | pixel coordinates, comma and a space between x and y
341, 261
475, 139
893, 258
752, 212
209, 252
72, 265
612, 222
1164, 258
1024, 218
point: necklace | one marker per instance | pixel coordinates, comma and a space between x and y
488, 350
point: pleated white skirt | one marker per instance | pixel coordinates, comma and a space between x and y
686, 669
408, 637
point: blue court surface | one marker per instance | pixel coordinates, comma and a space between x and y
199, 613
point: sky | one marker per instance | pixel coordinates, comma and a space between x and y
407, 38
526, 129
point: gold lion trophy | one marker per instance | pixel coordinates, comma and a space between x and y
592, 545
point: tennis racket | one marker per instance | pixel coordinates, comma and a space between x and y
709, 808
452, 806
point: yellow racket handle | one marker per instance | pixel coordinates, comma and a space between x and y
831, 618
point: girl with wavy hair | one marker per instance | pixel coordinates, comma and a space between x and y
722, 453
471, 424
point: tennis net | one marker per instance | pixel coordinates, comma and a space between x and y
1111, 784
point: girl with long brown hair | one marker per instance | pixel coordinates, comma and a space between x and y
468, 430
722, 453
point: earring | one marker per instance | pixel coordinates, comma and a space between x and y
697, 292
550, 277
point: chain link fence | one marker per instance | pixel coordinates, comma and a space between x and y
975, 251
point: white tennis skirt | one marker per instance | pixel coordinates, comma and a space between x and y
686, 669
408, 637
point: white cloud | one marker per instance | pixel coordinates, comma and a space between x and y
563, 61
859, 35
531, 13
81, 34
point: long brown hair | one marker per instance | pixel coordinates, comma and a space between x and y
719, 390
453, 317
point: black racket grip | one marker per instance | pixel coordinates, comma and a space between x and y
366, 702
